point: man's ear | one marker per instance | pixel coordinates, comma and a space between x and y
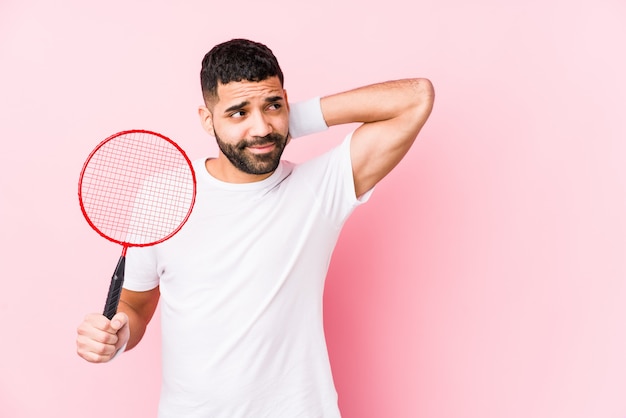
206, 119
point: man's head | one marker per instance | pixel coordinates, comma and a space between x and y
236, 60
246, 106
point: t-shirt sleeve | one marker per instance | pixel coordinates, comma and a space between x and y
331, 178
141, 269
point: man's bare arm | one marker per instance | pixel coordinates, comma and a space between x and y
392, 113
140, 307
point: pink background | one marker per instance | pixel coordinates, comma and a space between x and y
485, 278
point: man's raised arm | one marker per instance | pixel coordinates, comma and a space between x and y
392, 114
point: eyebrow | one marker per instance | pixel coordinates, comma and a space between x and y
274, 99
239, 106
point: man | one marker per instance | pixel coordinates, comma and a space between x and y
241, 284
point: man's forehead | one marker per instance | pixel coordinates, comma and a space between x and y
237, 90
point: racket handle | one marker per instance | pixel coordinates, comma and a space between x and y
115, 289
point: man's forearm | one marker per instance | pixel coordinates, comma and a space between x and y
377, 102
139, 307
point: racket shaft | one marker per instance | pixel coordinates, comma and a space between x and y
115, 289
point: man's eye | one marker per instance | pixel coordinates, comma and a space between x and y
274, 106
238, 114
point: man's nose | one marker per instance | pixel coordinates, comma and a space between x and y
260, 125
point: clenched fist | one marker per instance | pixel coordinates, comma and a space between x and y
99, 339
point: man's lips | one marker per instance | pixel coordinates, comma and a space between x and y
261, 149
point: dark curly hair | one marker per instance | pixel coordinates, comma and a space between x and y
237, 60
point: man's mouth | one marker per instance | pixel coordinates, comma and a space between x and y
261, 148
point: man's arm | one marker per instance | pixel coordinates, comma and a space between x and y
392, 114
98, 339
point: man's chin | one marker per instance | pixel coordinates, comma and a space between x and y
265, 168
258, 166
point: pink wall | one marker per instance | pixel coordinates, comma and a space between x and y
485, 278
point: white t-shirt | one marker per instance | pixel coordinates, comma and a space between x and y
241, 293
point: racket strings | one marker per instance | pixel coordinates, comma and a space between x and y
137, 188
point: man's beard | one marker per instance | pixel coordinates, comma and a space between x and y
249, 162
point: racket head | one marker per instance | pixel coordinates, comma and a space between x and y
137, 188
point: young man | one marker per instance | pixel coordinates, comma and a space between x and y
241, 285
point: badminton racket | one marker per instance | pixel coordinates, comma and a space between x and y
137, 188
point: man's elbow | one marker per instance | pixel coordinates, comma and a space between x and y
424, 92
421, 104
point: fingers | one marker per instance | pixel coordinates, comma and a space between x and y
118, 321
97, 338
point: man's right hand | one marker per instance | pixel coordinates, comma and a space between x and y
98, 339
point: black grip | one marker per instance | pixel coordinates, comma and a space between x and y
115, 289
